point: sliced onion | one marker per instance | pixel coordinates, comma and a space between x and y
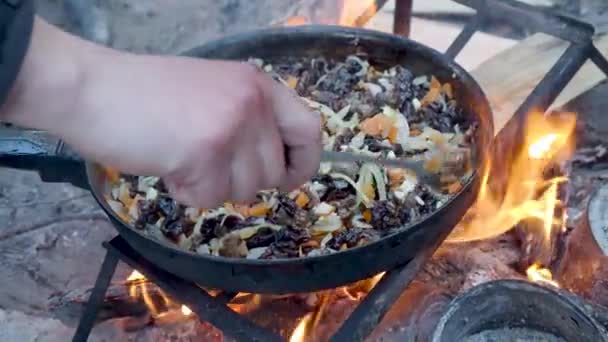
379, 178
420, 80
325, 168
117, 206
357, 141
144, 183
326, 239
365, 180
361, 197
151, 194
115, 193
318, 188
256, 253
323, 209
327, 224
203, 249
248, 232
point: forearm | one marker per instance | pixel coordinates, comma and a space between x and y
46, 94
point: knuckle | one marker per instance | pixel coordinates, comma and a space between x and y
252, 94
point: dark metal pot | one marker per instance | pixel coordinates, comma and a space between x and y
304, 274
512, 304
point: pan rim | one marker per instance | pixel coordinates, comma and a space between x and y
348, 32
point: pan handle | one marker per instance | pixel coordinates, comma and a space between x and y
38, 151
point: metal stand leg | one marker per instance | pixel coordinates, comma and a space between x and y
370, 312
599, 60
403, 17
96, 299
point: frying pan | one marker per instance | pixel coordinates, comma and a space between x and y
56, 162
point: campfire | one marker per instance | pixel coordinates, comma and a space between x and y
531, 195
523, 197
516, 241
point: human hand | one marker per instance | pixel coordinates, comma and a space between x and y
213, 130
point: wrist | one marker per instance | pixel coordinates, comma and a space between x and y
47, 92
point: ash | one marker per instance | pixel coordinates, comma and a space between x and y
510, 335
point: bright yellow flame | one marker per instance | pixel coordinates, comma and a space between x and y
538, 274
135, 275
138, 289
186, 310
299, 334
359, 289
542, 147
527, 194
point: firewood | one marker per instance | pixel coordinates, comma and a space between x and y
118, 302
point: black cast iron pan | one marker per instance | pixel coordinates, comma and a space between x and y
291, 275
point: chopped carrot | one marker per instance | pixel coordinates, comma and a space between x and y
292, 82
302, 199
377, 126
433, 165
392, 135
243, 209
367, 215
124, 215
435, 84
448, 91
433, 93
454, 187
112, 174
126, 200
259, 210
431, 96
395, 176
310, 243
237, 208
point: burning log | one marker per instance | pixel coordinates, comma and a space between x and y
583, 268
118, 302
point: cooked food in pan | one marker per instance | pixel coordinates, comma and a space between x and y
365, 109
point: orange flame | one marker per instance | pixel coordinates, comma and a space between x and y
492, 215
527, 194
139, 288
308, 323
297, 20
352, 13
300, 332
